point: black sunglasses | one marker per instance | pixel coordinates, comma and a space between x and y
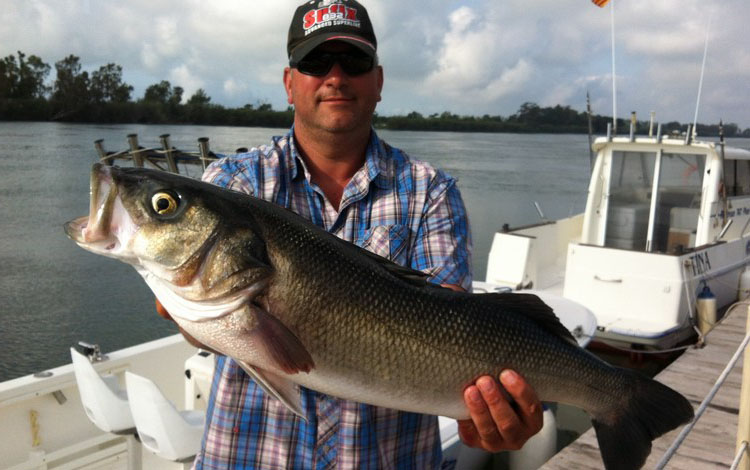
320, 63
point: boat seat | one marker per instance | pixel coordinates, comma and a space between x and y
105, 403
683, 218
170, 434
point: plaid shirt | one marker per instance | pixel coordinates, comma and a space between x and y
399, 208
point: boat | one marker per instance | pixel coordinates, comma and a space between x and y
663, 233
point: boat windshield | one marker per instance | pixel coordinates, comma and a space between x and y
737, 177
677, 200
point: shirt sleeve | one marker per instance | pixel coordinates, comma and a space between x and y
232, 172
442, 247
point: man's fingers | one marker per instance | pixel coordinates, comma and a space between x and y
468, 433
529, 407
484, 400
501, 415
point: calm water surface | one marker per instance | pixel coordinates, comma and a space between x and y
53, 294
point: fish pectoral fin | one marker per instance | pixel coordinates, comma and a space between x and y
280, 346
284, 390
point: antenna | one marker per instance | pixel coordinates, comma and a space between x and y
591, 132
614, 75
703, 69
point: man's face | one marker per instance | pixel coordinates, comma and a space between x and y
334, 102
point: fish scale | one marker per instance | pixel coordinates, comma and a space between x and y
296, 306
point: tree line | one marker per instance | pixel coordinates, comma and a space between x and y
531, 117
103, 97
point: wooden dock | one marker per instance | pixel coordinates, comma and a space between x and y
711, 444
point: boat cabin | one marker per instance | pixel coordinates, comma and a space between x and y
663, 219
665, 197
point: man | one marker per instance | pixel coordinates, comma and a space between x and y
332, 168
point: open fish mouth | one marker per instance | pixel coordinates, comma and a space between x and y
108, 226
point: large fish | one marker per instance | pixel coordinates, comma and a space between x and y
297, 306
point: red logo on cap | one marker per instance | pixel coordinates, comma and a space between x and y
332, 15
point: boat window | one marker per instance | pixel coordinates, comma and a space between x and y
629, 198
677, 205
679, 201
737, 177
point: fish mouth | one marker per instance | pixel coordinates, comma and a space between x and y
108, 226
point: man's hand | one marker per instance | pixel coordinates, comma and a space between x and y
495, 423
164, 314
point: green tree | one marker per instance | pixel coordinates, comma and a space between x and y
8, 76
528, 113
23, 78
158, 92
176, 97
71, 87
107, 85
200, 98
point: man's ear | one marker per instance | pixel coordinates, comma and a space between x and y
288, 85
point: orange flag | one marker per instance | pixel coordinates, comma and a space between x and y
599, 3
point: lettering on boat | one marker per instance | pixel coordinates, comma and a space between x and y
700, 263
731, 213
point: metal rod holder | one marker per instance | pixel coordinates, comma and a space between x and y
135, 150
203, 147
169, 154
99, 146
651, 125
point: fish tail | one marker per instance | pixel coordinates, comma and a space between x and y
625, 434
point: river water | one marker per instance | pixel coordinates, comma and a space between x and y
54, 294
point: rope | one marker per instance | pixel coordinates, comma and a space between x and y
704, 405
739, 456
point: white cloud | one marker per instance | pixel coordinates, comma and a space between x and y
464, 64
165, 38
234, 87
465, 56
182, 76
510, 80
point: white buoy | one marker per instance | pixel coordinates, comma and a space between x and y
537, 450
706, 306
744, 291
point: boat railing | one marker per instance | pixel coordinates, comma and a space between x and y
158, 157
742, 456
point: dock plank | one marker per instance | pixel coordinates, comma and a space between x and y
711, 444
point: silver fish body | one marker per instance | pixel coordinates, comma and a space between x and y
297, 306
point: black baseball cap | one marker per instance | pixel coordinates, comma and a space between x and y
318, 21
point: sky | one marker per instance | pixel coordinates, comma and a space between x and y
469, 57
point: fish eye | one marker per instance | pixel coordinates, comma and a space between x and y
164, 203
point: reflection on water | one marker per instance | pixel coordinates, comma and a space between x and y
53, 294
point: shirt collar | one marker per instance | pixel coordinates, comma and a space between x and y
378, 167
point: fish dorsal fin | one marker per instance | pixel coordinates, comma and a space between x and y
406, 274
284, 390
534, 308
